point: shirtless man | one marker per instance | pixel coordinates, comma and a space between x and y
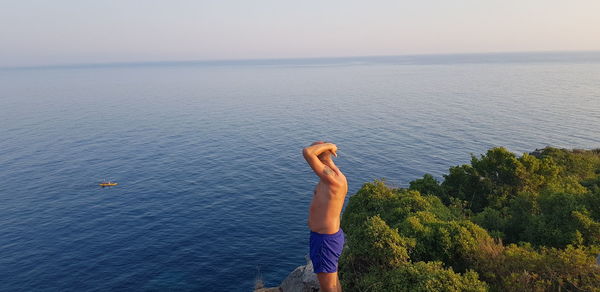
326, 237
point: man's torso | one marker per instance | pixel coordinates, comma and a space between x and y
326, 205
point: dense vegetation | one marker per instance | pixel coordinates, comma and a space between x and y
500, 223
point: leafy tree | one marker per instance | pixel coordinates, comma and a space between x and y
421, 276
449, 236
373, 246
580, 163
427, 185
377, 259
448, 241
522, 211
523, 268
465, 183
498, 176
492, 220
392, 205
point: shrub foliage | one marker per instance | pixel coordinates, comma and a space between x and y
501, 223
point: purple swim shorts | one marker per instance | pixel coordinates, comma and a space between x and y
325, 250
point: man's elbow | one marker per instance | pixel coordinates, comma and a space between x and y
306, 152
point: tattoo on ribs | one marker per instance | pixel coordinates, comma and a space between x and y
328, 171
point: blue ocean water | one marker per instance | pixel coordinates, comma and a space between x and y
212, 185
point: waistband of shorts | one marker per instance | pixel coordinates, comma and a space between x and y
338, 233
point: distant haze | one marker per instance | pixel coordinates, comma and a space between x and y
84, 31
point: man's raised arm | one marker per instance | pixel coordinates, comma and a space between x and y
311, 155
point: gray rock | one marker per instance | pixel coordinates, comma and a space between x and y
302, 279
309, 278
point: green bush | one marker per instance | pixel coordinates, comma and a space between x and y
449, 236
427, 185
524, 268
441, 240
420, 276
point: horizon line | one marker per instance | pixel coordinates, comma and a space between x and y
264, 61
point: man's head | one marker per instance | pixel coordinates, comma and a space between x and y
325, 156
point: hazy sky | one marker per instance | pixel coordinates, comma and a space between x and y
85, 31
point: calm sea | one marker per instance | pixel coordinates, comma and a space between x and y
212, 185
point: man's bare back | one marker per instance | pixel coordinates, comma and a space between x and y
327, 239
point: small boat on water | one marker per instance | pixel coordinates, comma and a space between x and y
108, 184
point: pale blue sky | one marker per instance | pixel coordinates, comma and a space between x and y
47, 32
